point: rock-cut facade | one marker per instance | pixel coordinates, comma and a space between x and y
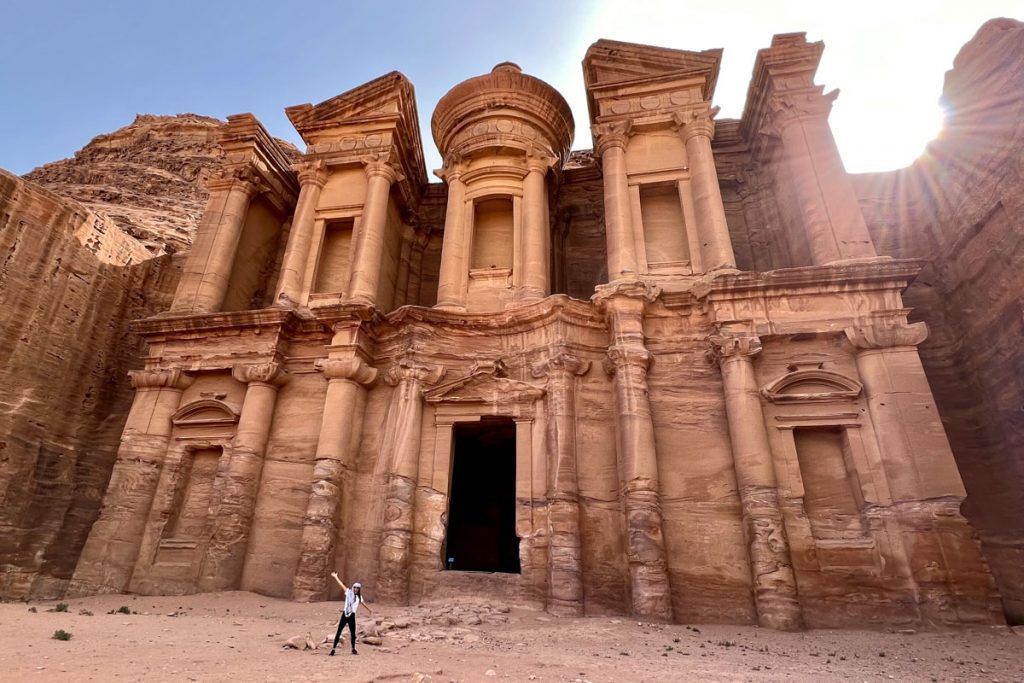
670, 377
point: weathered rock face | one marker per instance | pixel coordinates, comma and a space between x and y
70, 284
961, 208
148, 177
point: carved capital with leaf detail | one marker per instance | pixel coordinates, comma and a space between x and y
311, 172
161, 378
695, 123
270, 374
562, 363
611, 135
886, 335
244, 178
410, 371
622, 357
630, 289
729, 347
380, 166
350, 369
785, 110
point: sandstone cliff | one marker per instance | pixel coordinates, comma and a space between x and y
70, 284
960, 207
148, 177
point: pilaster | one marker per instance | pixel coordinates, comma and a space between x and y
400, 449
225, 556
312, 174
347, 379
381, 173
771, 566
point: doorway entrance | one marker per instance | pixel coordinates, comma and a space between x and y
482, 506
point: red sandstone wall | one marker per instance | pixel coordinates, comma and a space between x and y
960, 207
67, 297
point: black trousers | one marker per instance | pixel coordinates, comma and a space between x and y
351, 621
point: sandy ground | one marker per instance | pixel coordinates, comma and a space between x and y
239, 637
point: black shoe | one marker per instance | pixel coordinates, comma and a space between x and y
354, 651
331, 653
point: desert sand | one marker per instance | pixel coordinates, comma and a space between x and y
239, 636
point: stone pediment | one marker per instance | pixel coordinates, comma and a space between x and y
205, 412
387, 97
484, 387
361, 119
811, 385
614, 63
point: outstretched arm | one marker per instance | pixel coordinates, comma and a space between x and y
363, 603
335, 576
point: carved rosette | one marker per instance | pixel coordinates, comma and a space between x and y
610, 135
886, 335
723, 348
695, 122
269, 374
347, 369
311, 172
161, 378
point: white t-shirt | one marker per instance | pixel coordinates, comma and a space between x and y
352, 602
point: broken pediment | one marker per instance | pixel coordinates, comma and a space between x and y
611, 63
390, 97
484, 386
205, 412
811, 386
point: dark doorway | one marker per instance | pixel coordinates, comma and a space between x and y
482, 507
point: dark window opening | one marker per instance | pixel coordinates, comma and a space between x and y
482, 507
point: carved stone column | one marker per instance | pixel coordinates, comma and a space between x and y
346, 379
312, 178
697, 129
628, 361
457, 242
225, 556
565, 564
895, 387
610, 145
536, 230
824, 195
366, 265
400, 449
110, 552
771, 567
207, 271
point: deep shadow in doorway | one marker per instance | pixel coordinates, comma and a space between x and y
482, 507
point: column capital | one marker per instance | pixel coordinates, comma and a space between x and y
311, 172
270, 374
351, 369
884, 335
241, 178
631, 289
539, 161
379, 166
408, 370
695, 122
610, 135
160, 378
726, 347
454, 167
562, 362
623, 356
787, 109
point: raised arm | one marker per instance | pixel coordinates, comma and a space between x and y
335, 576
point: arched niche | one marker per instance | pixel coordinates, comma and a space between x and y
811, 385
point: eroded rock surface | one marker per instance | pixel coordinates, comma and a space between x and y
961, 208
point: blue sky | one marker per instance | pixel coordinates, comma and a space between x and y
72, 70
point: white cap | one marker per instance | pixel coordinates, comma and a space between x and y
357, 585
